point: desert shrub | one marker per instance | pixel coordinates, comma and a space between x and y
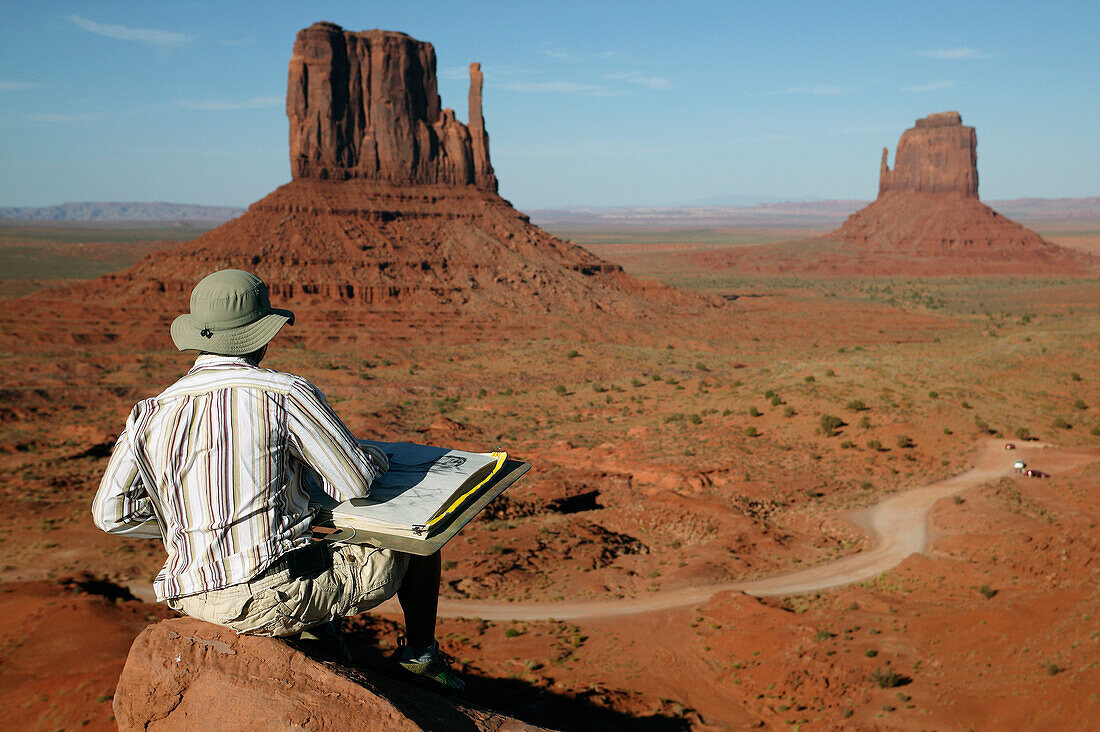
560, 390
789, 412
947, 431
1074, 376
830, 372
809, 379
754, 412
495, 549
904, 441
769, 394
750, 431
700, 366
847, 444
823, 635
959, 500
887, 678
695, 419
870, 653
1023, 433
1080, 404
865, 421
1095, 431
856, 405
599, 388
1061, 424
482, 393
512, 632
572, 354
449, 564
987, 591
933, 395
981, 424
776, 401
874, 445
727, 412
830, 423
1053, 668
966, 405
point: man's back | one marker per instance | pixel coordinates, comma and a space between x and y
220, 456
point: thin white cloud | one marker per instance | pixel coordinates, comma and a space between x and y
561, 87
222, 105
954, 54
234, 42
562, 55
817, 90
151, 36
636, 77
15, 85
63, 118
930, 86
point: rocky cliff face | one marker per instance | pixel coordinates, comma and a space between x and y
393, 207
937, 155
928, 209
365, 105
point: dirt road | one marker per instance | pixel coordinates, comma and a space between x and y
898, 526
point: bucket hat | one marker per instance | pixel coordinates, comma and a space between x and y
231, 315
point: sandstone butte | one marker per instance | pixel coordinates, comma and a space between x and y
928, 205
186, 674
392, 207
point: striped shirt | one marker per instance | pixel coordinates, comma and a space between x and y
216, 466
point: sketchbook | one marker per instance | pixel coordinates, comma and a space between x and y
424, 498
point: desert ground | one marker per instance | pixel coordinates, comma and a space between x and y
685, 476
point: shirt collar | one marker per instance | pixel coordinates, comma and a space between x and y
213, 360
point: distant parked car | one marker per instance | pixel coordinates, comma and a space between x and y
1019, 465
1032, 473
1009, 446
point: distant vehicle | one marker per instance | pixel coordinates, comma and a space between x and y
1009, 446
1019, 465
1031, 473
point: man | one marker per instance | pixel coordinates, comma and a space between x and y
218, 466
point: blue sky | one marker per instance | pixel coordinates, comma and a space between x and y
586, 103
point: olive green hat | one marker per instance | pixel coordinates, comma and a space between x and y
231, 315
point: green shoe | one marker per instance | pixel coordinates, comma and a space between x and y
434, 674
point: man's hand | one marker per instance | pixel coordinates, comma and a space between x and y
377, 457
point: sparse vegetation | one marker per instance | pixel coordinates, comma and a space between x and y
830, 424
887, 678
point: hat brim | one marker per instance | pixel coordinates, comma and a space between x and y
187, 334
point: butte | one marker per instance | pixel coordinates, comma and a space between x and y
926, 221
392, 211
928, 206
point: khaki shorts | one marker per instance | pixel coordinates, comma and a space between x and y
306, 587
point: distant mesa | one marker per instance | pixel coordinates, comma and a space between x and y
938, 155
928, 206
393, 204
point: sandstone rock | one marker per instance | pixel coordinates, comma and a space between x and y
365, 105
928, 207
393, 208
937, 155
186, 674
